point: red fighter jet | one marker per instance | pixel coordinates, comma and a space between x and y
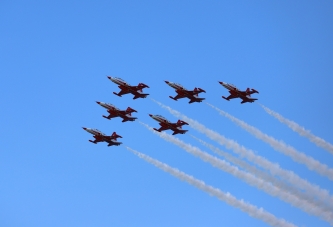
236, 93
183, 93
126, 88
165, 125
115, 112
101, 137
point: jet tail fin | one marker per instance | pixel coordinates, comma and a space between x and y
180, 123
142, 85
115, 135
254, 91
130, 110
199, 90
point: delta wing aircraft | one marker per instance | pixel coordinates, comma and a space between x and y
236, 93
127, 88
183, 93
115, 112
165, 125
101, 137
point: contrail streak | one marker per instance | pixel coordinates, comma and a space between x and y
248, 208
280, 146
267, 177
273, 168
300, 130
247, 177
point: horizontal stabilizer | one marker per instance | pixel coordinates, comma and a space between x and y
179, 132
140, 96
196, 100
129, 119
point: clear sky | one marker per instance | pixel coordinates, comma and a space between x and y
54, 58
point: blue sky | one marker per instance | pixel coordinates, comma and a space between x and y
54, 59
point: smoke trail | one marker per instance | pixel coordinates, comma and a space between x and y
248, 208
280, 146
273, 168
265, 176
300, 130
247, 177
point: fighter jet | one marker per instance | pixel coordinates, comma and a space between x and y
183, 93
165, 125
115, 112
236, 93
101, 137
126, 88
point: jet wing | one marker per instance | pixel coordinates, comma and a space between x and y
162, 128
232, 96
111, 115
180, 95
123, 91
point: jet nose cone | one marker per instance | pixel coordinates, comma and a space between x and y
150, 115
84, 128
166, 81
109, 77
221, 82
98, 102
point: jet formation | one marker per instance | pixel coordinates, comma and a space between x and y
165, 124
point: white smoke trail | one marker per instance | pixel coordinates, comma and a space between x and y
300, 130
267, 177
248, 178
273, 168
248, 208
280, 146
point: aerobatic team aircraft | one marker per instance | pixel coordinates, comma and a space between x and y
115, 112
126, 88
101, 137
236, 93
165, 125
183, 93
